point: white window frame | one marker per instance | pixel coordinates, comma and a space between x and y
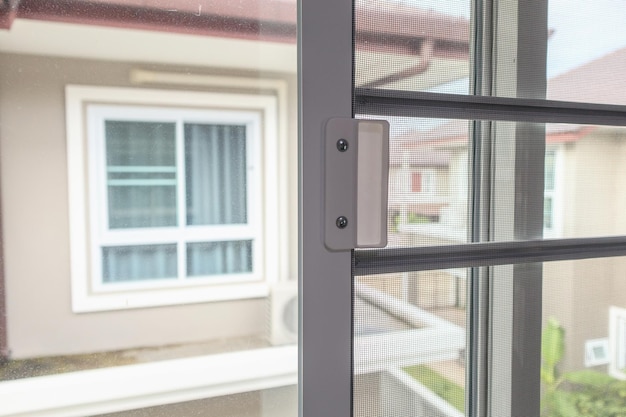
596, 352
87, 234
181, 234
617, 342
555, 194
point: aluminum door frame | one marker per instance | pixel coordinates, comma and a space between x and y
325, 80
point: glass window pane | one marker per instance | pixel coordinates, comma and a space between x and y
141, 203
93, 192
215, 163
141, 172
584, 335
587, 51
409, 344
138, 263
219, 258
137, 144
419, 45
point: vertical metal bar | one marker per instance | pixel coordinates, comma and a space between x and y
325, 90
529, 172
477, 398
520, 45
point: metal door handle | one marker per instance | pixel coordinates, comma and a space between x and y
356, 170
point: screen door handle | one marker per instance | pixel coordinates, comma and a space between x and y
356, 169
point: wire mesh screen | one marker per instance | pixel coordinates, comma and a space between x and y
428, 181
416, 46
409, 344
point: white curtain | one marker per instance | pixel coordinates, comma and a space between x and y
139, 263
215, 158
217, 258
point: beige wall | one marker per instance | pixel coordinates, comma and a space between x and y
591, 168
579, 293
35, 218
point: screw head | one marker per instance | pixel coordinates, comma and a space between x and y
342, 145
341, 222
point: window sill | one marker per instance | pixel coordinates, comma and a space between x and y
144, 385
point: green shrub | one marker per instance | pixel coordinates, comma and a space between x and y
583, 393
443, 387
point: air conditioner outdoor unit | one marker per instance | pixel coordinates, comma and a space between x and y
283, 313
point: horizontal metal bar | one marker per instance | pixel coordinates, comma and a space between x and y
141, 182
455, 106
141, 168
385, 261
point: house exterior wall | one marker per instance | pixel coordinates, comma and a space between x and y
36, 224
400, 183
579, 293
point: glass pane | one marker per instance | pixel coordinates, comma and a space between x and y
140, 144
420, 45
409, 344
141, 203
94, 199
584, 338
216, 174
584, 181
138, 263
219, 258
141, 172
587, 51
